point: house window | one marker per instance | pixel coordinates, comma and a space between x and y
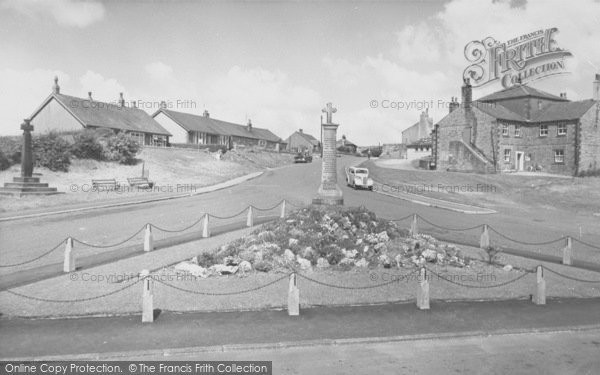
517, 130
507, 155
138, 137
262, 142
505, 130
559, 156
543, 130
562, 129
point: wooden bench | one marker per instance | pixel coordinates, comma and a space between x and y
107, 183
140, 181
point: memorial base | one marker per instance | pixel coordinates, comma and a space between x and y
27, 186
331, 197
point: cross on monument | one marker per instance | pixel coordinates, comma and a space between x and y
27, 152
330, 110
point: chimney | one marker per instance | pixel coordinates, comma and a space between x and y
249, 126
90, 96
56, 87
453, 104
467, 94
121, 100
563, 95
300, 131
596, 88
134, 104
163, 105
206, 114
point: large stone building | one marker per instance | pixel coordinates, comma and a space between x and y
520, 128
188, 128
301, 141
416, 140
64, 114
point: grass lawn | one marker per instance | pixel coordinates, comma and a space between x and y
172, 171
496, 190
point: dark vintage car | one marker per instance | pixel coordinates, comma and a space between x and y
303, 158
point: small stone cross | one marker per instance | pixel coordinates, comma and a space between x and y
330, 111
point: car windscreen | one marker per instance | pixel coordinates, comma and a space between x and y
361, 171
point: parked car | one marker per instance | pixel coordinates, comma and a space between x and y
302, 157
358, 178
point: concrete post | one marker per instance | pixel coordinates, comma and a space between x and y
414, 226
147, 298
568, 252
293, 296
250, 218
423, 290
148, 240
540, 292
282, 209
69, 262
205, 230
484, 242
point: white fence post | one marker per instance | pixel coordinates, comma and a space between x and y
568, 252
147, 298
423, 290
484, 242
414, 226
540, 292
205, 229
293, 296
282, 209
250, 219
148, 240
69, 261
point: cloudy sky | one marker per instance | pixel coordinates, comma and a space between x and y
277, 63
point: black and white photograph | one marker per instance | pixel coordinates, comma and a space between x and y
299, 187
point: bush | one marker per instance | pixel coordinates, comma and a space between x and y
122, 148
207, 259
4, 161
52, 151
87, 145
11, 147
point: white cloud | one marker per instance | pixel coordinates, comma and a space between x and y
68, 13
269, 98
103, 89
159, 71
22, 94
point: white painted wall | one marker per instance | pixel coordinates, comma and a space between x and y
54, 117
180, 135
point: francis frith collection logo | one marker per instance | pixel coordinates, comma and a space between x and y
523, 59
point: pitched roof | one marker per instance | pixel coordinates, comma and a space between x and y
519, 91
106, 115
564, 111
412, 126
498, 111
191, 122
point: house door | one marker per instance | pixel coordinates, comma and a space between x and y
519, 160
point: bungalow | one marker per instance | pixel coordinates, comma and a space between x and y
300, 141
344, 145
188, 128
64, 113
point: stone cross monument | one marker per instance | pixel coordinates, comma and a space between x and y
27, 152
26, 184
329, 192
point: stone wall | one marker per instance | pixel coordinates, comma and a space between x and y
589, 141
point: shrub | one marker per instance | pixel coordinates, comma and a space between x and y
263, 266
207, 259
5, 163
87, 145
11, 147
52, 151
122, 148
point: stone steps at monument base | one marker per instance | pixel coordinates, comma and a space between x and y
26, 179
26, 184
28, 190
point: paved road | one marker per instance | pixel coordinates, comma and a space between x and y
112, 336
561, 353
25, 239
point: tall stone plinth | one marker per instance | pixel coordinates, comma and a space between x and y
329, 192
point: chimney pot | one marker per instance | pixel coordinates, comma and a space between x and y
596, 88
206, 114
163, 105
56, 87
90, 96
121, 100
249, 126
301, 131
